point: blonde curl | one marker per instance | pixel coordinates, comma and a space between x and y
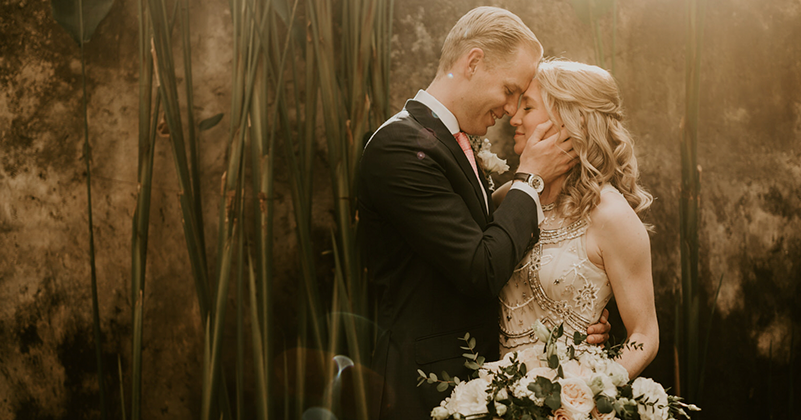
588, 101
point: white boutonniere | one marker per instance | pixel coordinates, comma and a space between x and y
489, 162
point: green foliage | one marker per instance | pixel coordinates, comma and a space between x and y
210, 122
590, 12
80, 20
688, 334
65, 12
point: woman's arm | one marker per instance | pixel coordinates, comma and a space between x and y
618, 240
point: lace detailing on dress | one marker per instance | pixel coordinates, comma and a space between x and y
555, 283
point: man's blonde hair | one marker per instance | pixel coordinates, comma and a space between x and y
498, 32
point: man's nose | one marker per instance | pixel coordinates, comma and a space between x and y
510, 108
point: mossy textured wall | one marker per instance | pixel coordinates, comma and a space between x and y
749, 155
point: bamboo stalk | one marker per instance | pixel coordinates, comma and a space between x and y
218, 324
87, 153
192, 138
168, 90
136, 395
261, 371
690, 194
240, 314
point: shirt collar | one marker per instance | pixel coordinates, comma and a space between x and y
440, 111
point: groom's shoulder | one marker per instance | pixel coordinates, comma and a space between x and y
399, 128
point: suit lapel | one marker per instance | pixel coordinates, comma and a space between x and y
425, 117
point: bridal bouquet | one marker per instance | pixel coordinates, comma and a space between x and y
560, 380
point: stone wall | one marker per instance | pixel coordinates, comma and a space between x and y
749, 156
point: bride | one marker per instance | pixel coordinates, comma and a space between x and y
592, 245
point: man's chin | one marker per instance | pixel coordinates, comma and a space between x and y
477, 131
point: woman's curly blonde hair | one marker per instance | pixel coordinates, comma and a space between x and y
587, 100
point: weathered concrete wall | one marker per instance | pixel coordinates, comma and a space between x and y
749, 152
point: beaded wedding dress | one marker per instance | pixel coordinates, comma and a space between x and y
555, 283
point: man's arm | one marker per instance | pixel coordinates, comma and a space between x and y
407, 185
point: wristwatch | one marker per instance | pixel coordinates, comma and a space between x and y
534, 181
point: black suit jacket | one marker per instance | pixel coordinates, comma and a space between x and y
436, 256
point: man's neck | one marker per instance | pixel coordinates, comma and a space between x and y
444, 90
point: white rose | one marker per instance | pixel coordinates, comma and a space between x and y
541, 332
652, 392
602, 384
500, 409
576, 397
531, 357
492, 163
468, 398
574, 369
520, 390
619, 374
440, 413
545, 372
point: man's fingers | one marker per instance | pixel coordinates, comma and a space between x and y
541, 131
564, 135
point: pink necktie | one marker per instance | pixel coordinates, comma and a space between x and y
464, 143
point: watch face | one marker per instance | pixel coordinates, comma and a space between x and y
536, 182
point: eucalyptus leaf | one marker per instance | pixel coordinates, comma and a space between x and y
65, 12
604, 404
210, 122
554, 400
442, 387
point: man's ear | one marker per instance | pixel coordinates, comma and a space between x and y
474, 57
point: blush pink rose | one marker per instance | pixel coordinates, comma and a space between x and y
561, 414
597, 415
576, 397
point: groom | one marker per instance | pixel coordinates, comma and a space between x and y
435, 246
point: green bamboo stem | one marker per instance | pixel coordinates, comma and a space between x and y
352, 337
122, 386
192, 137
212, 371
240, 314
261, 371
87, 154
136, 394
614, 36
168, 89
689, 209
141, 219
139, 249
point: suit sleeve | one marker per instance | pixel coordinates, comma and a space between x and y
406, 183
